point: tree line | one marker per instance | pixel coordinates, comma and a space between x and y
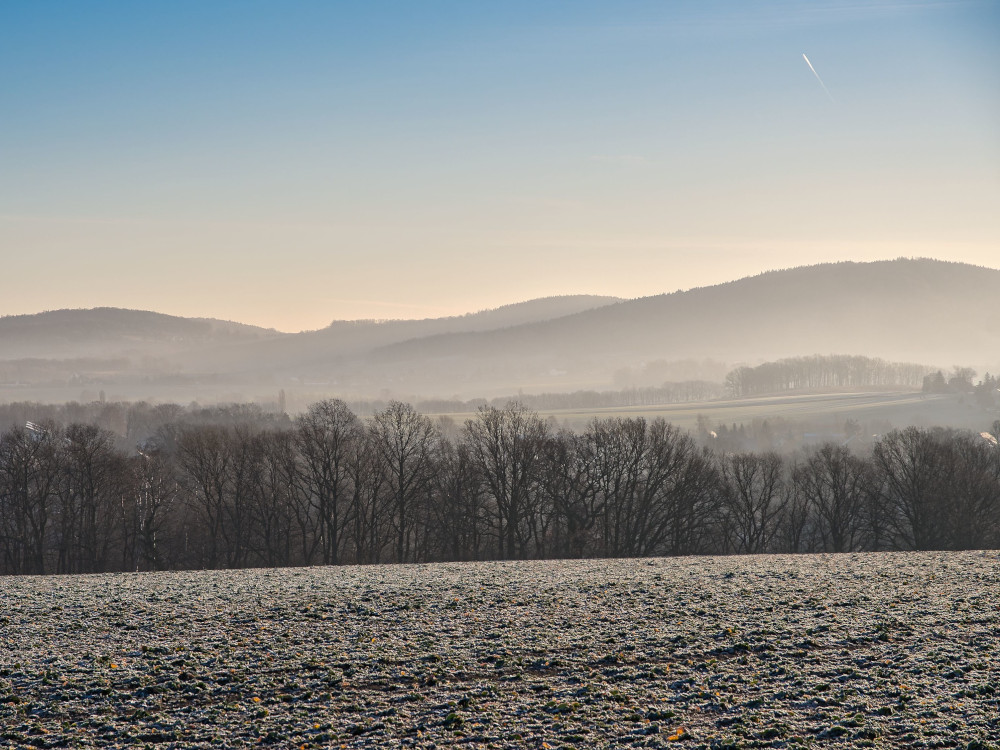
819, 372
331, 488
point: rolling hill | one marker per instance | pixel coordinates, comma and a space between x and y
111, 331
343, 340
69, 348
925, 311
908, 310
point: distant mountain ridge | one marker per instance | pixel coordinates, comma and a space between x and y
911, 310
207, 345
345, 339
40, 334
743, 316
516, 313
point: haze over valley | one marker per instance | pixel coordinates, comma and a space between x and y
677, 347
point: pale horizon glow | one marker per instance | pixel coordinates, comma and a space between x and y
347, 161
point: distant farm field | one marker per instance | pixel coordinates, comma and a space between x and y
862, 650
898, 409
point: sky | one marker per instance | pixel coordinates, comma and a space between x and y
291, 163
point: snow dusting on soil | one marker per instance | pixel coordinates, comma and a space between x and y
772, 651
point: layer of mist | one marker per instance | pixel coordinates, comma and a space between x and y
917, 311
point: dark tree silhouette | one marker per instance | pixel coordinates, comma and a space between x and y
325, 437
506, 445
835, 483
404, 440
754, 495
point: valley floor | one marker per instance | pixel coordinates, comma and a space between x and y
873, 409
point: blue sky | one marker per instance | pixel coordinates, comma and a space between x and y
290, 163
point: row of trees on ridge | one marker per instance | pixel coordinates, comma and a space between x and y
819, 372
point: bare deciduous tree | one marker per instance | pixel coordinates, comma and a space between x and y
325, 437
754, 497
835, 483
404, 439
203, 457
915, 473
30, 473
506, 445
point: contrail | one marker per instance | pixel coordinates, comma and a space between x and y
818, 78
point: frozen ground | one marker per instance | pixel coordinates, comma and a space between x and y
897, 650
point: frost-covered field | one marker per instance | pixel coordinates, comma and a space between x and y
855, 650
